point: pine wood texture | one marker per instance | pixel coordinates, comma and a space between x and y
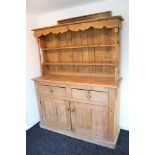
79, 88
83, 80
89, 120
97, 16
80, 52
82, 109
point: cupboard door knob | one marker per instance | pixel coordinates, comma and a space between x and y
88, 96
67, 108
72, 109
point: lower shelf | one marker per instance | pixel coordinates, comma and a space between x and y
108, 144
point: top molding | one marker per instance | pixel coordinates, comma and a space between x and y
82, 23
90, 17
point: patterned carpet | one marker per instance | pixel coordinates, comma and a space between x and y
43, 142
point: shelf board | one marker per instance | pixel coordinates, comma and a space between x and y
82, 46
83, 64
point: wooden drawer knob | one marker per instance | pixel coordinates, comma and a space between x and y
51, 90
88, 96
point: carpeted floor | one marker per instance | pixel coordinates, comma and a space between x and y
43, 142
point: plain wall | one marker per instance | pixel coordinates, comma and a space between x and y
119, 7
32, 70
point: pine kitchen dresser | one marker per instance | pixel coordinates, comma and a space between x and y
78, 91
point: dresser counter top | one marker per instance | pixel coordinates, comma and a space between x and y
106, 82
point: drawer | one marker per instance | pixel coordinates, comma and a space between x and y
52, 90
90, 95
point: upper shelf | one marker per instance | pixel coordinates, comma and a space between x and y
82, 46
110, 22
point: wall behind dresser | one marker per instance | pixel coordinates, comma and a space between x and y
32, 70
119, 7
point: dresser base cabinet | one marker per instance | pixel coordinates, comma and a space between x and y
90, 113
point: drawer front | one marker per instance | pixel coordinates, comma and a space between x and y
52, 90
90, 95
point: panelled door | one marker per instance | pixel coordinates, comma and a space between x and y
55, 113
89, 120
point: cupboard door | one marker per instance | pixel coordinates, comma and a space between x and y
89, 120
55, 113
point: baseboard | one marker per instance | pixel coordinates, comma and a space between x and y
124, 127
31, 125
104, 143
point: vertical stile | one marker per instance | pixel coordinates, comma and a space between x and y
115, 41
117, 52
116, 73
40, 56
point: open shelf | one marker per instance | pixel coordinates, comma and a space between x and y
83, 64
82, 46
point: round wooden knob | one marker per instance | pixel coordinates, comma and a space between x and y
73, 109
51, 90
88, 96
67, 108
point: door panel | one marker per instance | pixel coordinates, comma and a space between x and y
90, 120
55, 113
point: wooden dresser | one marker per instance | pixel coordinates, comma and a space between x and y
79, 88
